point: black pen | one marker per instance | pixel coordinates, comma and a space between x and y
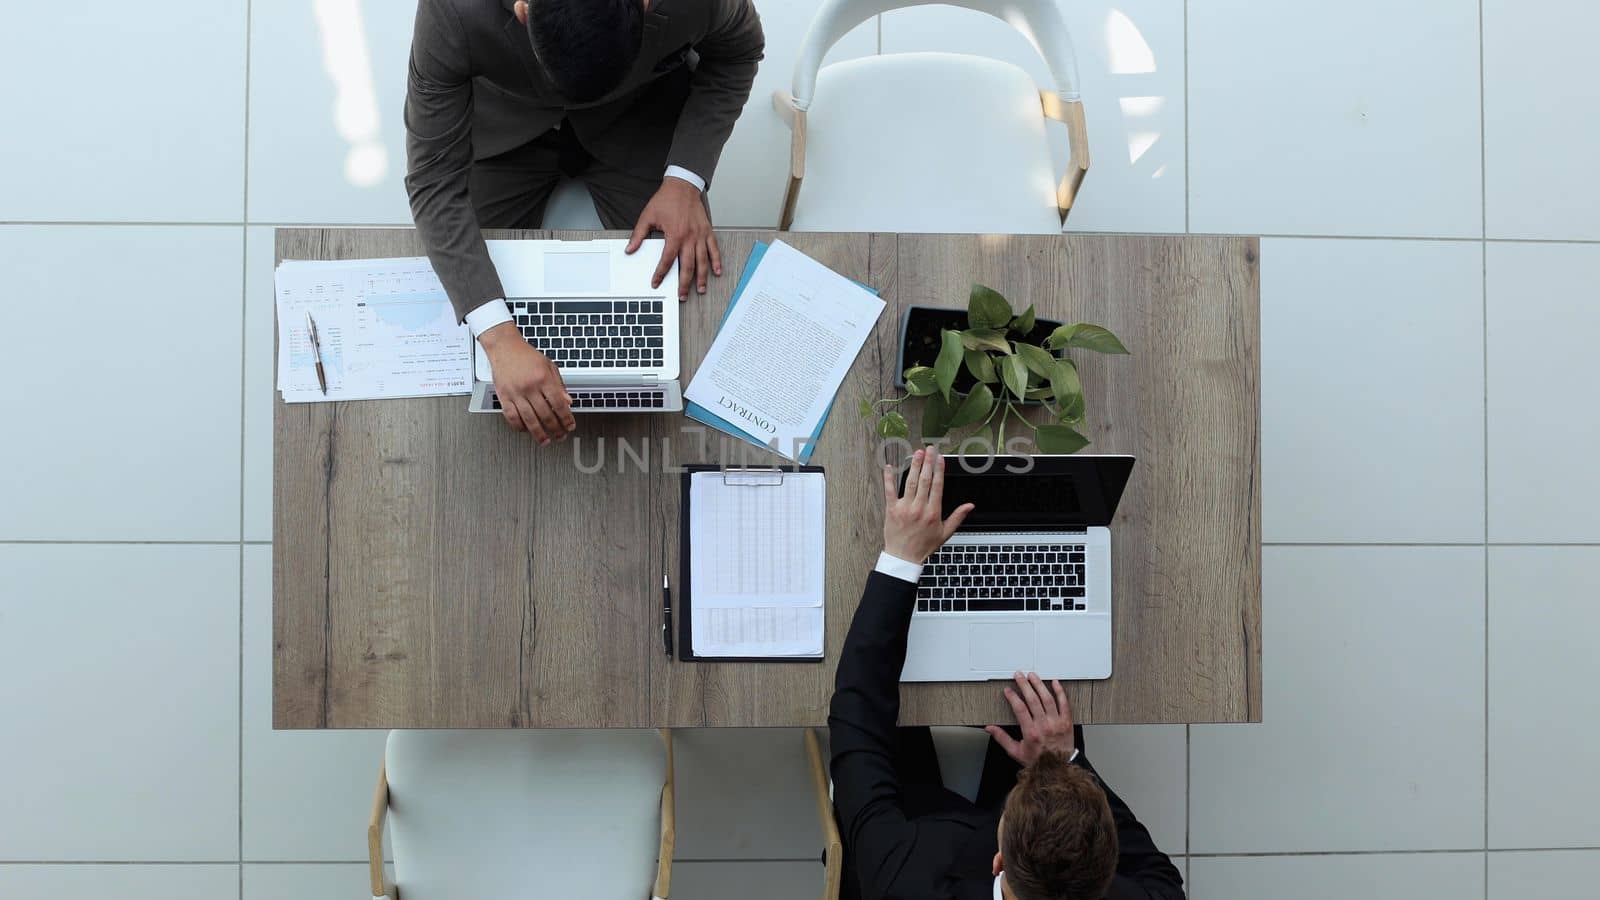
666, 615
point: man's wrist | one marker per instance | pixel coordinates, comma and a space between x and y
488, 315
499, 336
896, 567
682, 174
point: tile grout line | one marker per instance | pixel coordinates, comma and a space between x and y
1333, 544
1188, 174
396, 226
808, 859
1483, 212
244, 350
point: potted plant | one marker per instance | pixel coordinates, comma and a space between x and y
978, 375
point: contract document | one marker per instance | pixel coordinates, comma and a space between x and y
778, 360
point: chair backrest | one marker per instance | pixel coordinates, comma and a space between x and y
525, 813
1038, 20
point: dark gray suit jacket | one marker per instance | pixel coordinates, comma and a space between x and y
475, 91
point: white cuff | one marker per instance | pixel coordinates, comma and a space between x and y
487, 316
895, 567
680, 172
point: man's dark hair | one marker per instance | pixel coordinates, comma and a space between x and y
586, 47
1059, 841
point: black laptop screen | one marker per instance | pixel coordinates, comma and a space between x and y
1059, 491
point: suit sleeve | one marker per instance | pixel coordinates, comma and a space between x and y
1143, 871
719, 87
438, 118
861, 723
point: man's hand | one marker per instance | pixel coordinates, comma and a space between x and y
532, 396
912, 525
1045, 717
679, 211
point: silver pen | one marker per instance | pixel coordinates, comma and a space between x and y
316, 353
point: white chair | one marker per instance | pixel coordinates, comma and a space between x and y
931, 142
528, 813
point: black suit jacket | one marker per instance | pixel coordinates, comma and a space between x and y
902, 845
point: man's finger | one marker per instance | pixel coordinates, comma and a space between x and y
1025, 688
890, 494
1046, 700
956, 518
937, 488
685, 268
716, 254
639, 232
531, 419
913, 479
1020, 710
1061, 701
930, 465
513, 416
561, 408
669, 253
1009, 744
549, 425
702, 266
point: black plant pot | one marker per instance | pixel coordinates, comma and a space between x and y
920, 342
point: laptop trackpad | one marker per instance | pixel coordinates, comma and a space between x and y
1000, 647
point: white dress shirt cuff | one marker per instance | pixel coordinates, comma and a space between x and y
488, 316
680, 172
895, 567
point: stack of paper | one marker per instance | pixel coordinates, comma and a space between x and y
385, 327
791, 334
756, 563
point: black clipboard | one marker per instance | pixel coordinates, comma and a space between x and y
683, 605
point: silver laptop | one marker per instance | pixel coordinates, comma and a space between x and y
1025, 584
589, 307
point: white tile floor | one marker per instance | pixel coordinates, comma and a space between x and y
1421, 172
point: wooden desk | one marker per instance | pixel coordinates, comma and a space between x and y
434, 569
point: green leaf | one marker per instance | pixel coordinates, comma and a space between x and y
893, 425
949, 361
936, 414
1038, 361
865, 408
1064, 381
1043, 393
987, 309
981, 366
1089, 337
1015, 374
921, 381
985, 339
1071, 411
1024, 323
975, 408
1059, 439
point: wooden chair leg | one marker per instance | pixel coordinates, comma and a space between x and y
832, 846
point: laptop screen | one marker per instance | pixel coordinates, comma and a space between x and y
1058, 491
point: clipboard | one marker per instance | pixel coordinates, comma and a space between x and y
683, 606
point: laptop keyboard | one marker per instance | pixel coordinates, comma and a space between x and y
594, 334
1003, 578
607, 400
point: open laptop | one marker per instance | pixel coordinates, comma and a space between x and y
589, 307
1025, 584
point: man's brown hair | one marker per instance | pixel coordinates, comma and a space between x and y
1058, 840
